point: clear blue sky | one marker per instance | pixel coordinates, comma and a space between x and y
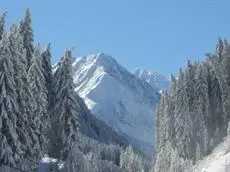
155, 34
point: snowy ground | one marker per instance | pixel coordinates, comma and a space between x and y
48, 164
217, 161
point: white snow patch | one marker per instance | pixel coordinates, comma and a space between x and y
49, 164
47, 160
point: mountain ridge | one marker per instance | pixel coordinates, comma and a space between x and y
117, 97
155, 79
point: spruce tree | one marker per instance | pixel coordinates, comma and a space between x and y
66, 111
183, 121
2, 24
130, 161
200, 115
47, 72
26, 31
24, 97
189, 84
10, 146
40, 117
226, 68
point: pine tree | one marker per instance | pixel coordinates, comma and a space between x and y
130, 161
47, 72
226, 68
201, 93
2, 24
189, 84
220, 64
66, 111
183, 122
26, 31
24, 97
173, 85
172, 105
165, 133
10, 146
214, 118
37, 86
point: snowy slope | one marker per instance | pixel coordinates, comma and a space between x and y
158, 81
117, 97
217, 161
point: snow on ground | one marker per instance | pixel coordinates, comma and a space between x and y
217, 161
48, 164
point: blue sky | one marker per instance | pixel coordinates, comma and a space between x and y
155, 34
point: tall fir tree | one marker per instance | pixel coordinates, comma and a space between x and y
66, 111
38, 89
200, 134
2, 24
165, 131
24, 97
26, 31
10, 146
189, 84
130, 161
47, 72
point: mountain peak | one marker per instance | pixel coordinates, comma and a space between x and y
99, 59
157, 80
117, 97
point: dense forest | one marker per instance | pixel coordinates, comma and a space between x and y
193, 116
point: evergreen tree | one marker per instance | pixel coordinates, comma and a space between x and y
24, 97
130, 161
173, 86
189, 84
161, 160
226, 68
2, 24
40, 117
26, 31
66, 111
183, 122
10, 146
201, 93
220, 63
47, 72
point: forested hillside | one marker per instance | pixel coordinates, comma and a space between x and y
193, 115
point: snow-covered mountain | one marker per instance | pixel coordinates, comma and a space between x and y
157, 80
117, 97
